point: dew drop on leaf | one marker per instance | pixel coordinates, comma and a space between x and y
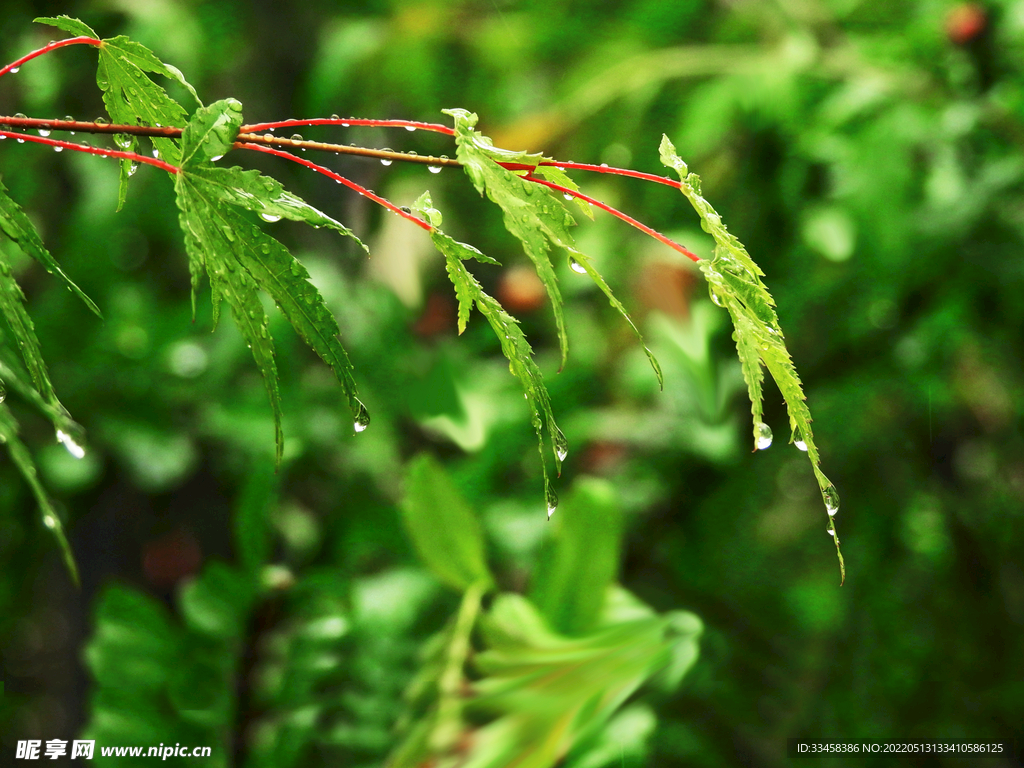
831, 530
763, 436
801, 445
552, 502
270, 217
575, 266
3, 393
362, 418
567, 196
132, 169
50, 521
831, 497
215, 159
69, 442
561, 445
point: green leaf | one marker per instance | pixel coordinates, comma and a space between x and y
558, 176
239, 256
536, 217
12, 307
23, 461
734, 281
68, 24
216, 603
569, 586
252, 526
443, 528
132, 98
513, 342
19, 228
211, 132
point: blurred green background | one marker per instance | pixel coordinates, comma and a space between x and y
870, 155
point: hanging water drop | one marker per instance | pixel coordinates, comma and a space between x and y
434, 168
58, 149
132, 169
69, 442
801, 445
50, 521
14, 70
156, 153
270, 217
44, 132
567, 196
561, 445
763, 436
21, 141
384, 161
576, 267
831, 500
552, 501
215, 159
831, 530
408, 127
362, 418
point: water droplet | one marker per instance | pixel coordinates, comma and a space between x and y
408, 127
412, 152
58, 149
362, 418
267, 135
215, 159
434, 168
561, 445
552, 502
296, 268
763, 436
3, 393
335, 117
20, 115
575, 266
604, 165
50, 521
296, 137
716, 298
156, 153
385, 161
73, 448
831, 530
44, 132
132, 169
2, 138
801, 445
14, 70
567, 196
21, 141
272, 129
344, 125
101, 121
270, 217
831, 497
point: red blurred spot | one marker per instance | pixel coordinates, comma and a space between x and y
520, 290
965, 22
172, 557
439, 315
603, 457
666, 287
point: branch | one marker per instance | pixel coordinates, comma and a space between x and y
341, 180
59, 146
14, 66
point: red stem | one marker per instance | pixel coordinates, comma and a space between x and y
346, 122
91, 150
598, 168
50, 47
618, 214
340, 179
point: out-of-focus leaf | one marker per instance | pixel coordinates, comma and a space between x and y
443, 528
252, 518
570, 584
215, 603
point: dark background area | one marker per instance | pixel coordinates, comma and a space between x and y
867, 153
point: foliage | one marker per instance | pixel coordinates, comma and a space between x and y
867, 154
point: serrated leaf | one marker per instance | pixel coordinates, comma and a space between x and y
19, 228
23, 461
537, 218
443, 528
211, 132
239, 257
734, 282
513, 342
132, 98
12, 307
68, 24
